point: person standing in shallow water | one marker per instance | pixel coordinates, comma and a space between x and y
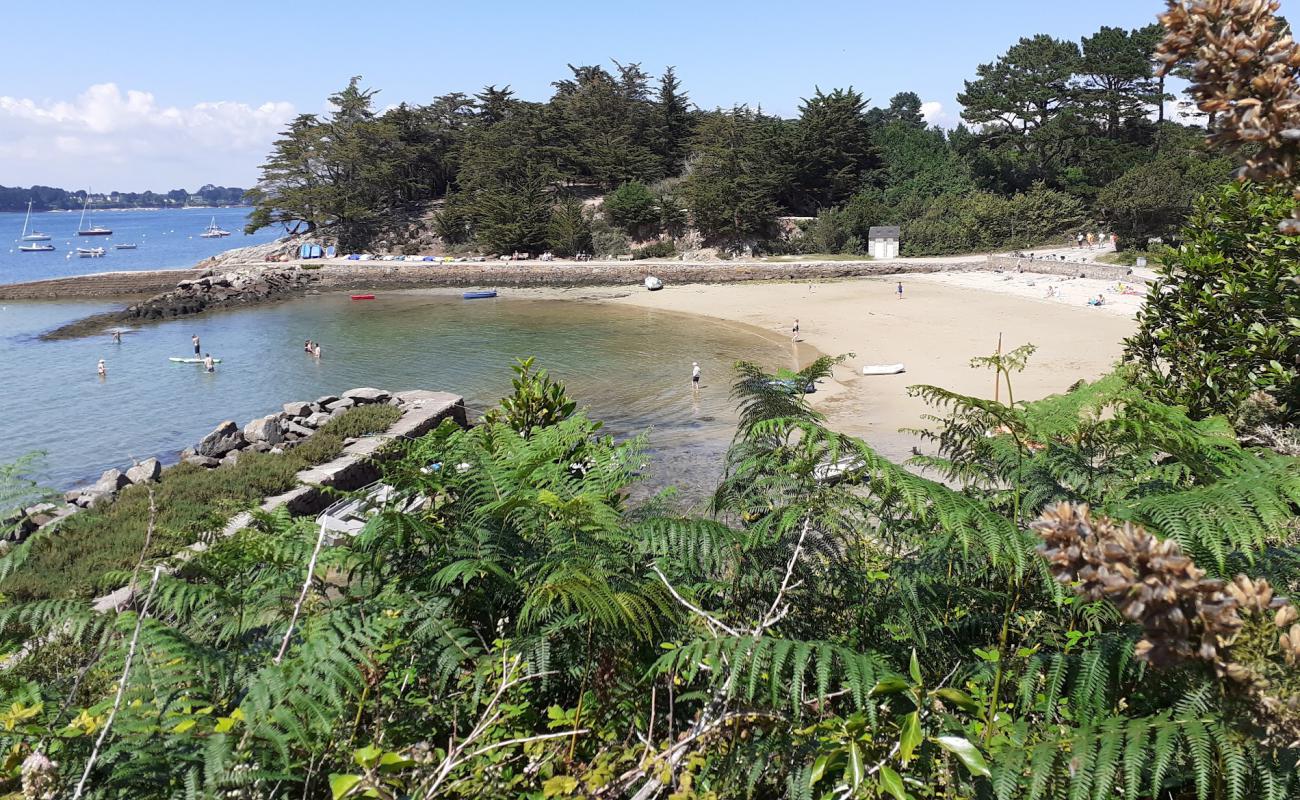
794, 332
208, 364
102, 370
695, 376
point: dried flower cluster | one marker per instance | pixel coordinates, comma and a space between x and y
1243, 69
1183, 614
40, 777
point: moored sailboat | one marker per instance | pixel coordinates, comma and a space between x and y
38, 240
213, 231
35, 235
93, 230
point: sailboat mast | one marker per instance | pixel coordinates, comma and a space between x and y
27, 219
82, 223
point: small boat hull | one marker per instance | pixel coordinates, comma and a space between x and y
883, 369
363, 297
36, 248
478, 295
95, 232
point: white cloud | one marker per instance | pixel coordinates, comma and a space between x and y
935, 114
112, 139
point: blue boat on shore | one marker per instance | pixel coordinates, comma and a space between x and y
478, 295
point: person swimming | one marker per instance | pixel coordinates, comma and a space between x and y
208, 364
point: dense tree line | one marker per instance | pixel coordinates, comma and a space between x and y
48, 198
1059, 135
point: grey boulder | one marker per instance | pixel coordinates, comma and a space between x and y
316, 420
112, 480
202, 461
366, 394
264, 429
225, 437
146, 471
297, 409
341, 405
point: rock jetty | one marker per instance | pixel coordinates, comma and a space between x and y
274, 433
207, 291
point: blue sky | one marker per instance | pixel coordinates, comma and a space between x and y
131, 94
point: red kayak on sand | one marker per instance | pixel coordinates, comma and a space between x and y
363, 297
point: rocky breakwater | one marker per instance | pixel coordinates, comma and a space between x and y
280, 431
274, 433
207, 291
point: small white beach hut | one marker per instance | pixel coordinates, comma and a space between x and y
883, 241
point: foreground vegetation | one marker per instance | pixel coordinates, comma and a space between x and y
524, 631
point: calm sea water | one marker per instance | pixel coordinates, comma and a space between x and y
167, 239
629, 367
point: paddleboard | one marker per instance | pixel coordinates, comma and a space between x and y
478, 295
363, 297
193, 360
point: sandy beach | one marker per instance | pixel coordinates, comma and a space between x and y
943, 321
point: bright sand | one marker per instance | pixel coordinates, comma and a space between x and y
943, 321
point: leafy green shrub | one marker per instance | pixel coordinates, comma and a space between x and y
317, 448
606, 240
986, 221
362, 420
537, 401
632, 207
1223, 320
660, 249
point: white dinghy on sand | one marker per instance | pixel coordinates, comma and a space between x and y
883, 369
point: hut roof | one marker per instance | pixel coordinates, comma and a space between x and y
883, 232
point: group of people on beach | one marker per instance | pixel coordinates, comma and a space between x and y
1092, 240
311, 348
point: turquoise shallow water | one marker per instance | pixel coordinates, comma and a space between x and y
629, 367
167, 239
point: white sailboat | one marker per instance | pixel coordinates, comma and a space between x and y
213, 231
93, 230
38, 239
35, 235
90, 252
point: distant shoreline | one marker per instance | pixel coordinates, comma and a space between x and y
98, 209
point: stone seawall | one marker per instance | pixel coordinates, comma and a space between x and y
408, 275
99, 286
1047, 266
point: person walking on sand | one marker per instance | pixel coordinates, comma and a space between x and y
900, 290
695, 376
794, 333
194, 340
208, 364
102, 370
